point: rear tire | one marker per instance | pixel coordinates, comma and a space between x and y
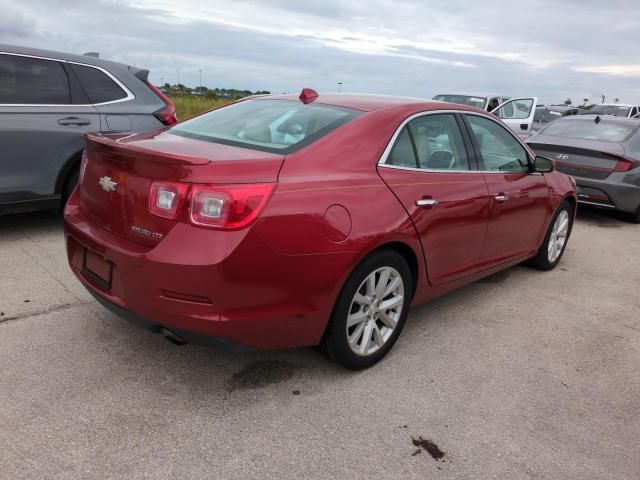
635, 217
556, 239
370, 311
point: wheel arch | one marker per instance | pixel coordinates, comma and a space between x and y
66, 170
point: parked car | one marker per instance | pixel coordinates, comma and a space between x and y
280, 222
547, 114
615, 109
48, 101
602, 153
484, 101
517, 113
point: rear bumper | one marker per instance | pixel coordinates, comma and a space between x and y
229, 285
621, 190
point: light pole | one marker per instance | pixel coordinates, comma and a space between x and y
339, 87
178, 70
200, 72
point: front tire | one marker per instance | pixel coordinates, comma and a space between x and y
70, 184
555, 241
370, 311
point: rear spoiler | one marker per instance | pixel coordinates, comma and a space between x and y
140, 73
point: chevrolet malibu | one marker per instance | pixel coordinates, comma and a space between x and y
286, 221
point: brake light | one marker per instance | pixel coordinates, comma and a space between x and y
166, 198
167, 114
228, 207
625, 165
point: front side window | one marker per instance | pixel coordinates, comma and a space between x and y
499, 150
32, 81
516, 109
98, 86
279, 126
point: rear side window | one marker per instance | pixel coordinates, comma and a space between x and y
279, 126
402, 154
100, 88
439, 142
32, 81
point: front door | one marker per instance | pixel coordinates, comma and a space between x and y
431, 171
518, 114
518, 198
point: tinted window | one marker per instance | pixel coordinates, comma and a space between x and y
32, 81
588, 129
499, 150
402, 153
439, 142
98, 86
268, 125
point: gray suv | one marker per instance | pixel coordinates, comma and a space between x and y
48, 101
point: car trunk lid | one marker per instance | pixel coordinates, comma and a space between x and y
597, 162
116, 182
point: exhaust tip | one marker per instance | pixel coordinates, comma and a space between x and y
171, 337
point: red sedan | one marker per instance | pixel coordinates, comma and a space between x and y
286, 221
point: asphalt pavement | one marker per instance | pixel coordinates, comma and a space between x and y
525, 375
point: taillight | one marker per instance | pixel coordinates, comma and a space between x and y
83, 166
624, 165
228, 207
166, 198
167, 114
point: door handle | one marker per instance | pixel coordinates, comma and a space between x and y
501, 198
74, 121
524, 126
427, 202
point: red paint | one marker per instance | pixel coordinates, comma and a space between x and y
273, 283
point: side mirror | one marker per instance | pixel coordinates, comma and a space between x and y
543, 164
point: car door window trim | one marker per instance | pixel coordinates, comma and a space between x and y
472, 154
130, 95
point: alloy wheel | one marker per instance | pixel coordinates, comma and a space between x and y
558, 236
375, 311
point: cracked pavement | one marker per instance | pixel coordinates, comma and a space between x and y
522, 375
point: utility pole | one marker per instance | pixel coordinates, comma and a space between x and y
339, 87
178, 70
200, 72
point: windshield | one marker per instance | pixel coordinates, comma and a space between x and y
279, 126
602, 131
608, 110
462, 100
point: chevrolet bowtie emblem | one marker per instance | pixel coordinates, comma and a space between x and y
107, 184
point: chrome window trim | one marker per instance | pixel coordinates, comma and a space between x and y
129, 94
387, 150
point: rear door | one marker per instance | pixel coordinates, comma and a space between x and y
431, 169
40, 126
518, 198
518, 114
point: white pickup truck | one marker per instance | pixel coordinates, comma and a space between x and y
518, 112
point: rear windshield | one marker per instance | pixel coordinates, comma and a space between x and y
608, 110
602, 131
477, 102
279, 126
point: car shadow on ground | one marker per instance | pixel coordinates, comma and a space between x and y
600, 217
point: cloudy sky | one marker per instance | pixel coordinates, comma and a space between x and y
552, 49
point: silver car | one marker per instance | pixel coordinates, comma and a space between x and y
48, 101
601, 153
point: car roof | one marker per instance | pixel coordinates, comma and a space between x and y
50, 54
476, 94
603, 118
369, 102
